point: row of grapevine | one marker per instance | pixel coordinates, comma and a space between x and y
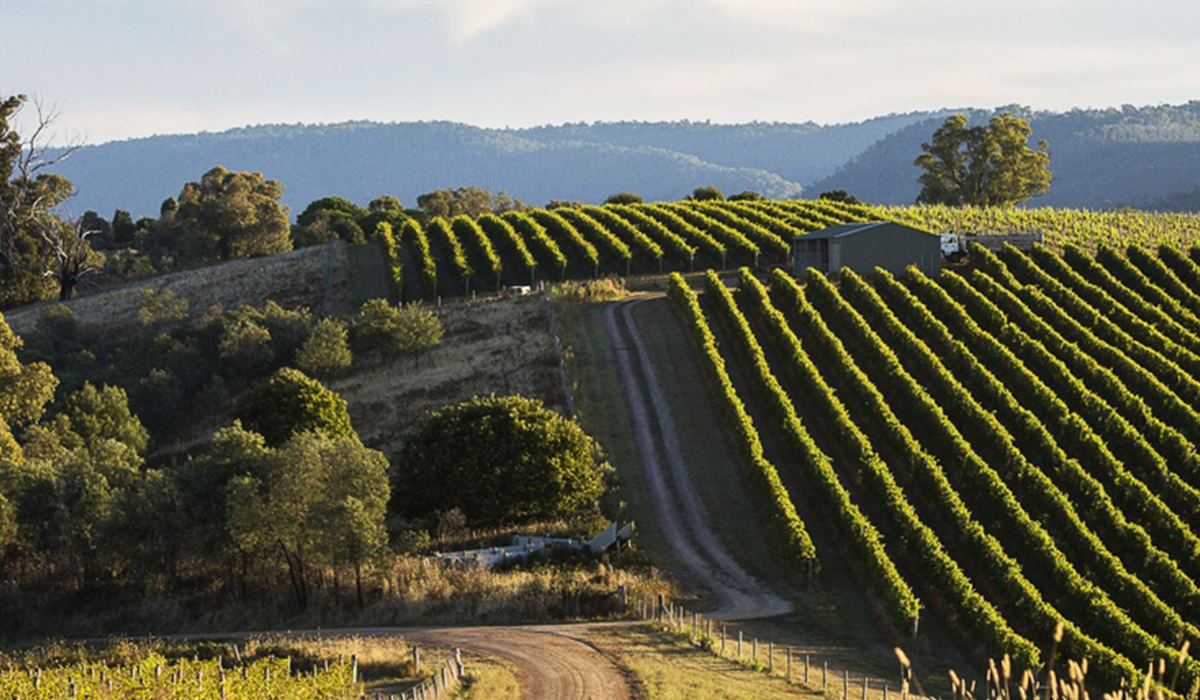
1126, 301
412, 232
626, 239
500, 229
155, 676
788, 526
567, 236
1158, 273
770, 242
1133, 544
817, 469
929, 419
1061, 227
1127, 443
551, 259
654, 230
591, 230
1034, 350
1153, 304
946, 578
466, 229
676, 225
385, 238
441, 230
628, 233
951, 371
732, 238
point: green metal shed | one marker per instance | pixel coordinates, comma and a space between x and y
864, 246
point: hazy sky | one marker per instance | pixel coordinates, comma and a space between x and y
126, 68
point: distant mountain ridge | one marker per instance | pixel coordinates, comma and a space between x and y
1100, 158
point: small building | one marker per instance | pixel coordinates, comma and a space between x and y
864, 246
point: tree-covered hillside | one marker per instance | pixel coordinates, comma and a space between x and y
1104, 158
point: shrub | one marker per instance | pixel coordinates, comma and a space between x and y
499, 460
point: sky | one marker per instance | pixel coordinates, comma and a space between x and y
117, 69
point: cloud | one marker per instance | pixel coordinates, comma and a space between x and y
466, 20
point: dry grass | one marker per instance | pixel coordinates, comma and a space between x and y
491, 346
489, 678
667, 668
293, 279
422, 591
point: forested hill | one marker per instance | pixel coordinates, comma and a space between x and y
360, 161
1145, 157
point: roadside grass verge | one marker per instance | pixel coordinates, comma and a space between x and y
668, 667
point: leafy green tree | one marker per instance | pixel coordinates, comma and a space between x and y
983, 165
229, 215
310, 213
707, 193
839, 196
288, 328
328, 225
10, 450
316, 500
326, 353
501, 460
469, 201
746, 196
245, 348
291, 402
25, 388
8, 521
98, 414
99, 228
383, 329
124, 230
624, 198
386, 203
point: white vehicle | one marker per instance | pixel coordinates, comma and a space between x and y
954, 247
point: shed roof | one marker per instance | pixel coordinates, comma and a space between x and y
850, 229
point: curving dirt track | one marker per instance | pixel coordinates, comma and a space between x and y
556, 662
553, 660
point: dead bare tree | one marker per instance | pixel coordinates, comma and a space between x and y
32, 235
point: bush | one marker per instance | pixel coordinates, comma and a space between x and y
291, 402
499, 460
624, 198
326, 353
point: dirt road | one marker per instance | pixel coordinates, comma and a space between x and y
682, 516
554, 660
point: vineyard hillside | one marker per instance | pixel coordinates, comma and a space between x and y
1008, 447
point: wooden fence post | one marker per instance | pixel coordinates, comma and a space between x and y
739, 645
770, 657
789, 664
